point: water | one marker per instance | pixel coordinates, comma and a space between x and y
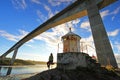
27, 69
24, 69
119, 65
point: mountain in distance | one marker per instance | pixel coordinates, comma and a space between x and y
6, 61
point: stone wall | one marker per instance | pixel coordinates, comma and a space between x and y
71, 60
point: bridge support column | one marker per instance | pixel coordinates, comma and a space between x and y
1, 61
12, 61
102, 44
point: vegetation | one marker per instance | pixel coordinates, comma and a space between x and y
110, 68
6, 61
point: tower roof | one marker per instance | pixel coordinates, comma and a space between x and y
70, 33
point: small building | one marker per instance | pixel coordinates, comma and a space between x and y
71, 42
71, 56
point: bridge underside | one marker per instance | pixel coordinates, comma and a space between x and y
76, 10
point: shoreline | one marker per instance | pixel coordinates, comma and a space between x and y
17, 76
26, 75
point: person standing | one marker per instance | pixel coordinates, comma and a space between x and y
50, 61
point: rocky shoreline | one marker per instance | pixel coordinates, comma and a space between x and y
17, 76
78, 74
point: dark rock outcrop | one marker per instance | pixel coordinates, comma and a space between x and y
79, 74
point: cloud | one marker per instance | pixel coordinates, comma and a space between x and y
57, 3
104, 13
116, 11
49, 12
22, 34
19, 4
12, 37
54, 36
107, 12
117, 45
87, 45
117, 56
85, 25
41, 16
36, 1
113, 17
47, 8
8, 36
114, 33
76, 21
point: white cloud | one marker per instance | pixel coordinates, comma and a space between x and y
114, 33
8, 36
104, 13
116, 11
85, 25
12, 37
87, 45
47, 8
19, 4
57, 3
53, 37
117, 45
41, 16
22, 34
107, 12
36, 1
76, 21
113, 17
117, 56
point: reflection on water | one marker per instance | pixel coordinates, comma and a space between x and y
24, 69
119, 65
27, 69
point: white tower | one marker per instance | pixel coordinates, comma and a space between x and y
71, 42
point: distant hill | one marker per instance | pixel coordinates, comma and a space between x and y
21, 62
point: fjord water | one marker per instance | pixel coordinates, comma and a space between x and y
25, 69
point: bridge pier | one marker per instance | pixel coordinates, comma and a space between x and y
1, 60
103, 48
12, 61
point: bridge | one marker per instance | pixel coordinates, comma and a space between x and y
78, 9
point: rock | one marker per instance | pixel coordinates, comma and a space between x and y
80, 73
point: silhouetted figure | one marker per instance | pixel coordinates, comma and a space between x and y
50, 62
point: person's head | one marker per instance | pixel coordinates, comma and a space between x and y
51, 54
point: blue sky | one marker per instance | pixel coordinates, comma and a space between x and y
19, 17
